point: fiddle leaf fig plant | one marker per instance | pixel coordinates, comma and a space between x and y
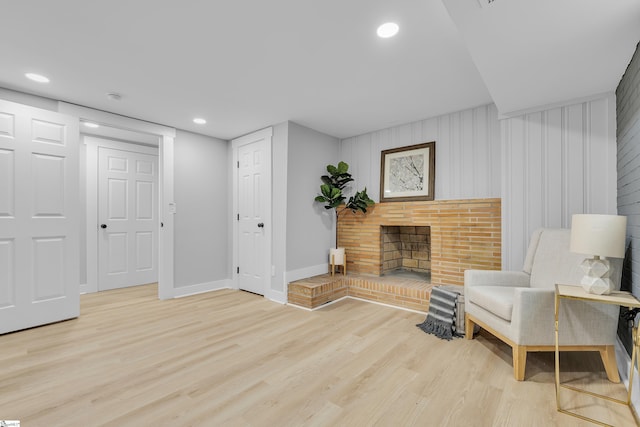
331, 193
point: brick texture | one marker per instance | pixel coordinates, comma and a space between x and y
465, 234
401, 292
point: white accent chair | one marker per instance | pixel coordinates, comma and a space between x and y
518, 307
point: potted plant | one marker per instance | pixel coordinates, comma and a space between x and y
331, 194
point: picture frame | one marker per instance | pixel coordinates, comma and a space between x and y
408, 173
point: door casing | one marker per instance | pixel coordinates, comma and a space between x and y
166, 201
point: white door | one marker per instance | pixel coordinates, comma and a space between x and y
127, 218
254, 195
39, 223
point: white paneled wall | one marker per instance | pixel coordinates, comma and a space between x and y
467, 153
555, 163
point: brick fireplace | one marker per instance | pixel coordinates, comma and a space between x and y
464, 234
405, 248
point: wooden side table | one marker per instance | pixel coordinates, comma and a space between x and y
620, 298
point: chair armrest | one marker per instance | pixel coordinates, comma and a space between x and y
496, 278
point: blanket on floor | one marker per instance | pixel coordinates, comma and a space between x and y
441, 317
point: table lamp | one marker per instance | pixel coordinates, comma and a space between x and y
599, 236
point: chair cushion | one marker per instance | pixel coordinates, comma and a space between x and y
495, 299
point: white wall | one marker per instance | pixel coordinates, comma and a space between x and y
310, 227
467, 153
555, 163
202, 217
545, 165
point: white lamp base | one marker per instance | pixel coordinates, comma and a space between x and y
596, 278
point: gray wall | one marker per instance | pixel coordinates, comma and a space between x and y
279, 147
310, 227
628, 136
201, 194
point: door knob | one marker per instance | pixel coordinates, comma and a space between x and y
261, 225
103, 225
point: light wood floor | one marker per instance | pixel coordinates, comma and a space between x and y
232, 358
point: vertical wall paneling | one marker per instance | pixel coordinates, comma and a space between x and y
556, 163
467, 153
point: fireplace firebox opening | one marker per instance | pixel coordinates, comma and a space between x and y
406, 251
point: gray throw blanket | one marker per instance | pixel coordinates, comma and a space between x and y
441, 317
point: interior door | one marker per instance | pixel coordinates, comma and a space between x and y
39, 223
127, 218
252, 190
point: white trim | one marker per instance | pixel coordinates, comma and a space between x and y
166, 240
560, 104
165, 182
93, 144
266, 135
115, 120
185, 291
83, 289
303, 273
278, 296
389, 305
131, 146
359, 299
624, 362
91, 212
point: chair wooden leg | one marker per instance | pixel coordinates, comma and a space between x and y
468, 327
519, 361
608, 356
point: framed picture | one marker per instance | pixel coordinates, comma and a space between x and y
408, 173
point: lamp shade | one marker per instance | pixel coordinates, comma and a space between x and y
601, 235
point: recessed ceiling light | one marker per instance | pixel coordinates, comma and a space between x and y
91, 125
387, 30
199, 121
37, 77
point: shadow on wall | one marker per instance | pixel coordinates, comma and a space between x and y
624, 331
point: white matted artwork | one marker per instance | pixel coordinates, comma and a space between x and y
408, 173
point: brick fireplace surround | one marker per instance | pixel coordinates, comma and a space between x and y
465, 234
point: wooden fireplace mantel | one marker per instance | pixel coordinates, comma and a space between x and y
465, 234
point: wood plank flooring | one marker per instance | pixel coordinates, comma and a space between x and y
230, 358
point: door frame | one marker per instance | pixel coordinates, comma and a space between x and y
166, 201
93, 144
266, 135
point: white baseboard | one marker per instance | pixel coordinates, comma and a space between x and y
624, 362
359, 299
185, 291
84, 289
303, 273
277, 296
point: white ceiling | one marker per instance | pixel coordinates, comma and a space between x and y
532, 53
244, 65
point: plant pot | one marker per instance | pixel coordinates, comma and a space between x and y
337, 257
